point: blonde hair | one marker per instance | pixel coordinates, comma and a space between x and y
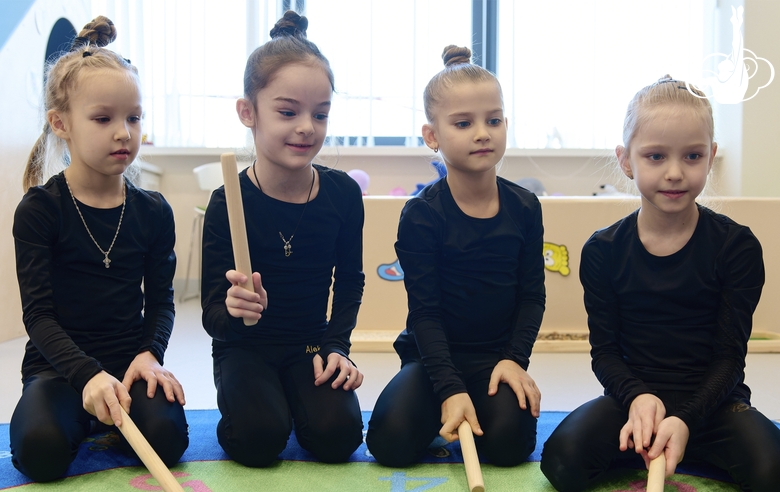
457, 69
50, 154
665, 91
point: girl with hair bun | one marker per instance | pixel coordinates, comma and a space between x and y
95, 264
304, 228
470, 246
670, 292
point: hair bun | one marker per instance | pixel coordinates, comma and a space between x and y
99, 32
456, 55
665, 78
291, 24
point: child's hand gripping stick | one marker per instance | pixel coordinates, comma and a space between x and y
235, 208
145, 452
470, 458
656, 474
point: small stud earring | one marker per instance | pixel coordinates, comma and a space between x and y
436, 150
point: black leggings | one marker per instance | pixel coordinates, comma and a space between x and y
407, 415
261, 391
736, 438
50, 422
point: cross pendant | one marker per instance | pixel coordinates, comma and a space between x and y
287, 249
106, 261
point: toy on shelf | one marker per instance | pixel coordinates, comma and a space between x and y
362, 179
398, 191
609, 190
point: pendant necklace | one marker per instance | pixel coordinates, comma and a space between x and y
287, 245
106, 260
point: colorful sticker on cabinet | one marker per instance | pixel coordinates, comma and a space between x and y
556, 258
391, 271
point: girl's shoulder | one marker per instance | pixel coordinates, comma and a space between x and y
42, 197
40, 212
615, 233
432, 190
607, 246
147, 199
514, 188
429, 199
514, 193
337, 180
718, 219
718, 228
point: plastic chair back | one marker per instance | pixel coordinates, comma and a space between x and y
209, 176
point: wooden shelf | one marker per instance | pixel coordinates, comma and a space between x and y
762, 342
375, 151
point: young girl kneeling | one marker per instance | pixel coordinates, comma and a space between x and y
304, 226
470, 246
95, 263
670, 292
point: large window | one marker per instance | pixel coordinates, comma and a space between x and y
567, 67
383, 54
190, 55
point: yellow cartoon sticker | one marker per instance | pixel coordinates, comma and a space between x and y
556, 258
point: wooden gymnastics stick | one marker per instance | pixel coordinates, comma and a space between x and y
235, 208
656, 474
144, 451
470, 458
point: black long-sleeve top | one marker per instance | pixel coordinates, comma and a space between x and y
82, 317
472, 284
327, 247
679, 322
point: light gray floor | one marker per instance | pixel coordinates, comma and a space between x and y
565, 380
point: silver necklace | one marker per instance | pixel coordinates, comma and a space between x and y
106, 260
287, 245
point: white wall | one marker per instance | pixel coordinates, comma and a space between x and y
761, 115
747, 133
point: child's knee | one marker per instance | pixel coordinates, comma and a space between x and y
508, 448
509, 437
169, 439
562, 464
43, 454
764, 475
392, 446
333, 443
253, 446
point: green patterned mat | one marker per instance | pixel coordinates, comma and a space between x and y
296, 476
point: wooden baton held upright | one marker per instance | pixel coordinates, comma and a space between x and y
656, 474
144, 451
470, 458
235, 208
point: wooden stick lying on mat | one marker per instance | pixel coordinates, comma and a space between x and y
235, 208
144, 451
656, 474
470, 458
